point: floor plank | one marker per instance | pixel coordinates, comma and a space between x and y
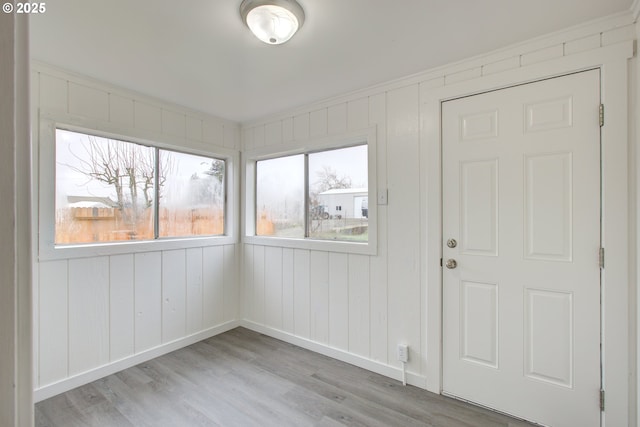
243, 379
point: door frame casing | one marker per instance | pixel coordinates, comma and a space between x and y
616, 327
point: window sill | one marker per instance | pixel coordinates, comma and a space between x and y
313, 244
51, 253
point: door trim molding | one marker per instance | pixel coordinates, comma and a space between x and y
612, 61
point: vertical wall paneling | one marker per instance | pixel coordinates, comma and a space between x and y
463, 75
247, 138
194, 129
121, 307
148, 300
430, 247
231, 136
195, 294
174, 320
53, 327
502, 65
231, 283
339, 301
287, 130
213, 278
403, 223
337, 118
174, 124
359, 321
35, 103
358, 114
542, 55
617, 35
147, 117
582, 44
373, 303
88, 313
377, 116
258, 136
273, 133
301, 292
301, 127
319, 296
258, 283
88, 102
318, 123
121, 110
91, 312
379, 293
53, 93
273, 287
247, 297
288, 291
212, 132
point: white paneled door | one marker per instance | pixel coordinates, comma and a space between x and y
521, 275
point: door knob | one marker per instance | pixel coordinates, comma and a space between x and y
451, 264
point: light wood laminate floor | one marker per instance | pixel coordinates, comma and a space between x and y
242, 378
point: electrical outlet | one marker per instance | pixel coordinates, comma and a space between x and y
403, 353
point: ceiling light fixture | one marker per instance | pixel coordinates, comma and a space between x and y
272, 21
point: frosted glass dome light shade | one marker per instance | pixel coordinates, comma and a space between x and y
274, 21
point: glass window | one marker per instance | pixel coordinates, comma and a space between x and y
106, 191
280, 197
191, 195
333, 184
338, 194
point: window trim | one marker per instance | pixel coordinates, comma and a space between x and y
45, 160
345, 140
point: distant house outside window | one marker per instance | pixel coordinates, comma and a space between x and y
317, 195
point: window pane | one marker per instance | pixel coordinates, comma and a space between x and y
338, 194
191, 195
104, 189
280, 197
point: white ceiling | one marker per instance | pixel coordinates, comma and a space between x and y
198, 53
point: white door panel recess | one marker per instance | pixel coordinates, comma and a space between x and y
521, 199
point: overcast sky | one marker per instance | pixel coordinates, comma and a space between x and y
69, 182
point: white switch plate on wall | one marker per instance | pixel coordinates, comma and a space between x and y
383, 196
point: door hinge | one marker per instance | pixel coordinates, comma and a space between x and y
601, 400
440, 262
601, 115
601, 258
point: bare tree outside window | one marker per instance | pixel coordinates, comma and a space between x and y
338, 194
106, 190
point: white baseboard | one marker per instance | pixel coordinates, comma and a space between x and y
70, 383
344, 356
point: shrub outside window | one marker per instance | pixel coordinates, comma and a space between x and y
320, 195
109, 190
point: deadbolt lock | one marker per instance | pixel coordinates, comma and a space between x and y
452, 243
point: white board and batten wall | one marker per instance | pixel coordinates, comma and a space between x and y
358, 308
99, 312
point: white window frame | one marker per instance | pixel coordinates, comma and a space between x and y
367, 136
47, 248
